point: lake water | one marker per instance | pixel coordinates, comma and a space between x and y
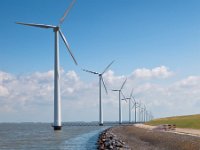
41, 136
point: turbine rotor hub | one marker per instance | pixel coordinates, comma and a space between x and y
56, 29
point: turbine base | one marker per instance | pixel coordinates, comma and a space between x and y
101, 124
56, 128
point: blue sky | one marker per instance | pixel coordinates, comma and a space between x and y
135, 33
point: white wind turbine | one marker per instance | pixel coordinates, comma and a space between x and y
139, 111
129, 102
120, 107
57, 101
144, 113
142, 110
135, 105
100, 81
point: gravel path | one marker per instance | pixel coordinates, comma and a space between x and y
146, 139
192, 132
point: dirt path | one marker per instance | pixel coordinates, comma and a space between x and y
185, 131
139, 138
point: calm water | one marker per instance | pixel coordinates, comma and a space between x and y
40, 136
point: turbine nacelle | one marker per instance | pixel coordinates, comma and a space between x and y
56, 29
115, 90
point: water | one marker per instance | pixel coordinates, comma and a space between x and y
41, 136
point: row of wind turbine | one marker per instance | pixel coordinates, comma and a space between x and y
57, 99
143, 114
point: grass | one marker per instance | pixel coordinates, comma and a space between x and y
191, 121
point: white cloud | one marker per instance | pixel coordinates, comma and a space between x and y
71, 75
111, 78
3, 91
191, 81
158, 72
5, 76
33, 94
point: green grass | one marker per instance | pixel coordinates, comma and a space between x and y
191, 121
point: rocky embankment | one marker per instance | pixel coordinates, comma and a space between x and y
108, 140
150, 139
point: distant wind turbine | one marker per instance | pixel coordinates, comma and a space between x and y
129, 102
135, 105
120, 107
144, 113
139, 111
57, 101
147, 116
100, 81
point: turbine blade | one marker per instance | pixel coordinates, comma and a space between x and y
107, 67
104, 85
124, 100
137, 105
66, 12
123, 84
134, 99
36, 25
131, 93
90, 71
115, 90
67, 45
133, 106
123, 96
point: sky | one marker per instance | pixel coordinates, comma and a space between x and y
155, 45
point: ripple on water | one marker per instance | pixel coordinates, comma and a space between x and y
83, 142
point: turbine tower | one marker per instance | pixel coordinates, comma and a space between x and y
57, 101
100, 81
120, 107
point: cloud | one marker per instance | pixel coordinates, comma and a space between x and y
189, 82
158, 72
32, 95
3, 91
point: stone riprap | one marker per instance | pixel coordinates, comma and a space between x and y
108, 140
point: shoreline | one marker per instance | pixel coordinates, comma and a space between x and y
139, 137
108, 140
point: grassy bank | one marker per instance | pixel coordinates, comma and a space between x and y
191, 121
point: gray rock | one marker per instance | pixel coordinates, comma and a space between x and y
110, 147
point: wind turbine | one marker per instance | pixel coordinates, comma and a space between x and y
135, 105
129, 98
147, 116
139, 112
143, 109
100, 81
120, 107
144, 113
57, 101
